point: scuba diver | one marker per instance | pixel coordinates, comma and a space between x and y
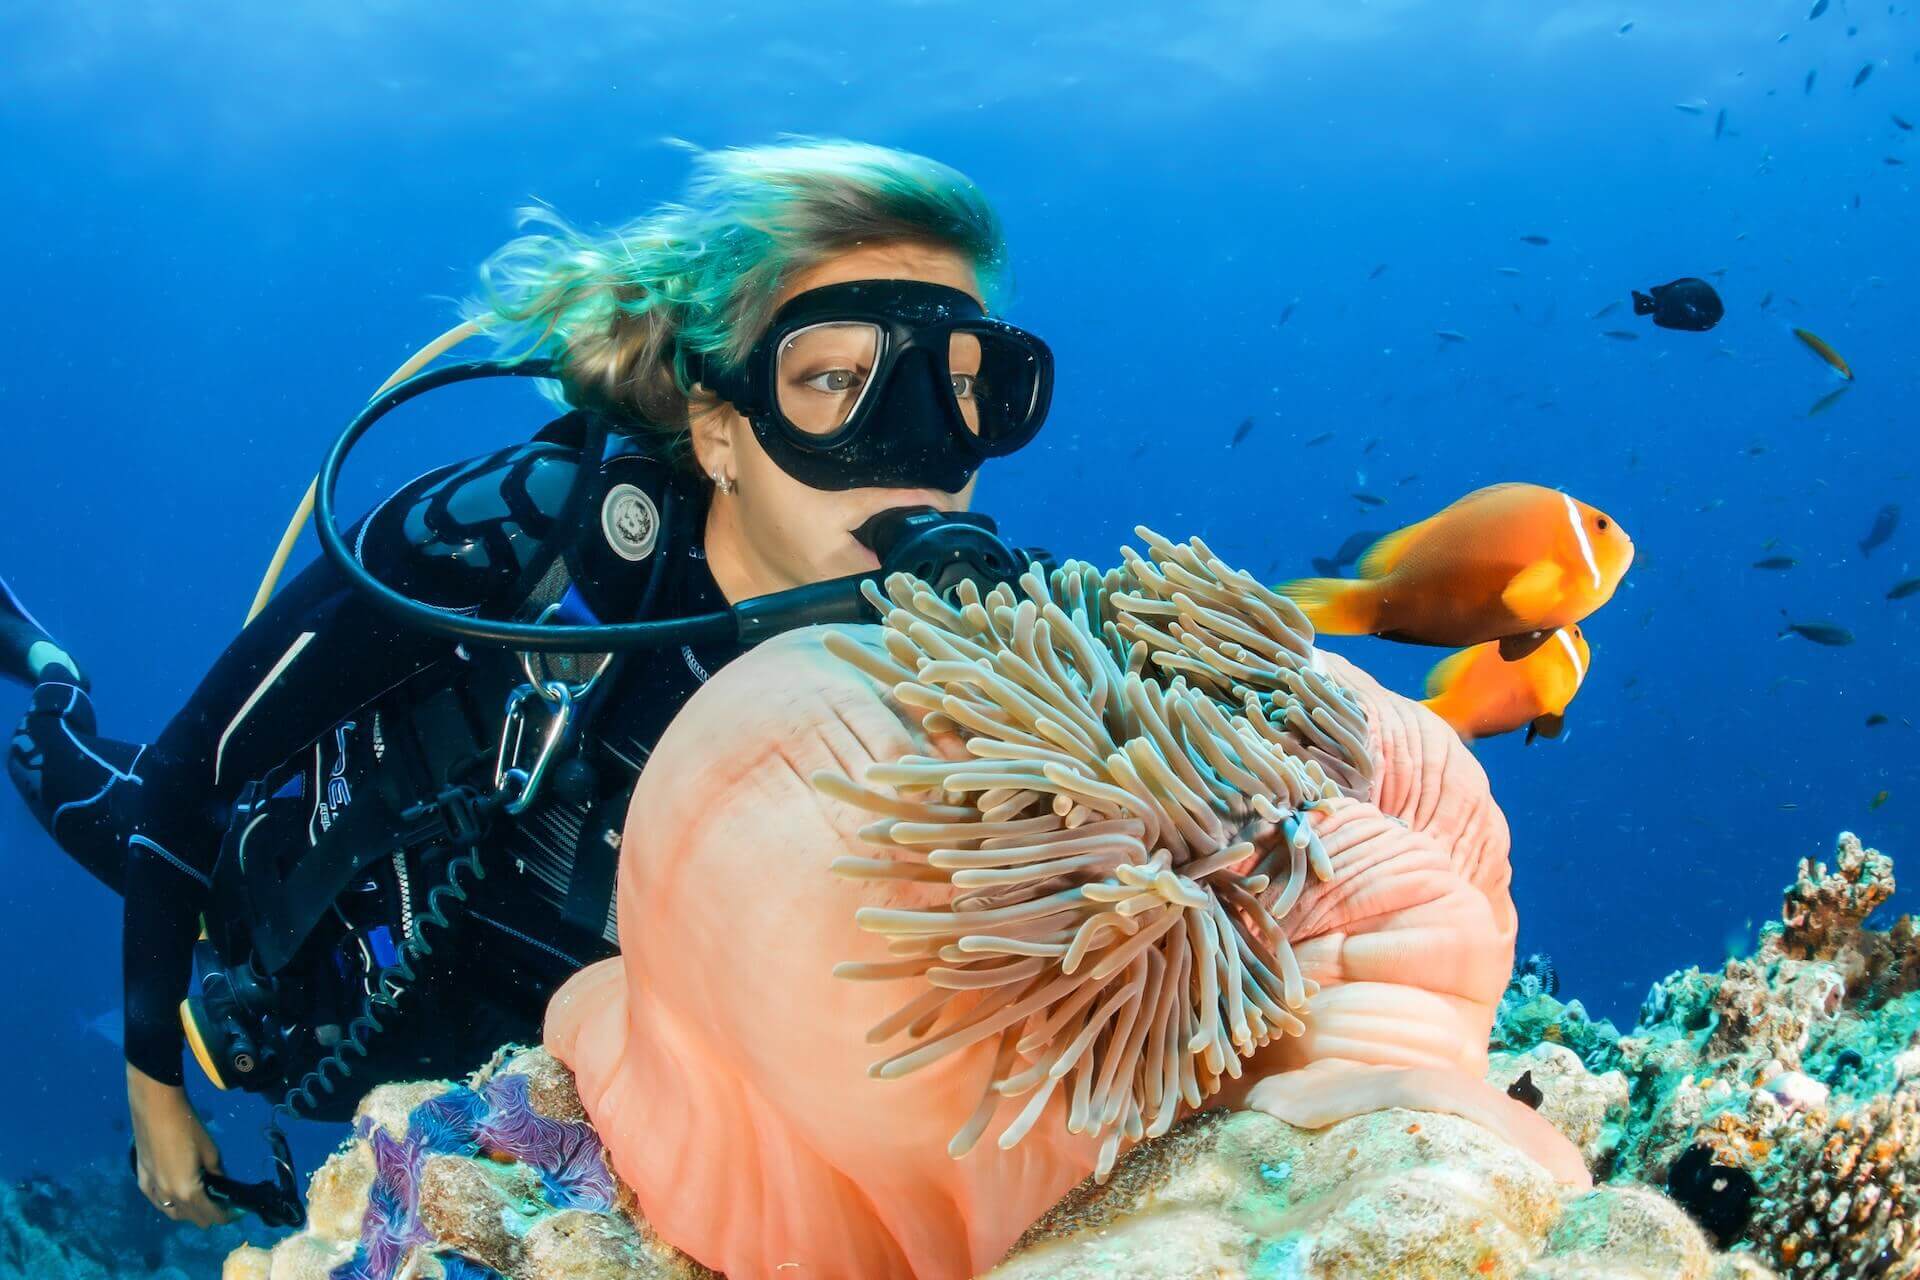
391, 811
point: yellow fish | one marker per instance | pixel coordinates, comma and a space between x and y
1825, 352
1511, 562
1481, 694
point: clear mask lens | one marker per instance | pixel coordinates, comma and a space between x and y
824, 375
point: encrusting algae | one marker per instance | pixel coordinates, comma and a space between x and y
1123, 837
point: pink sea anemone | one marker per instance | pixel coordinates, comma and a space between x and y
1098, 852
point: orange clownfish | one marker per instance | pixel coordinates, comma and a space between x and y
1481, 694
1511, 562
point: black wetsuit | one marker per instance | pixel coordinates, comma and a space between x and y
148, 820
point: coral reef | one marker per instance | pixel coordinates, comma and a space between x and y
1777, 1098
500, 1176
1795, 1150
93, 1224
1392, 1193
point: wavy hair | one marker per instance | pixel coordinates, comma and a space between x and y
620, 311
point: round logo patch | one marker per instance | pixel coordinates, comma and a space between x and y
630, 521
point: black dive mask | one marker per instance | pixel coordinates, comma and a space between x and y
887, 384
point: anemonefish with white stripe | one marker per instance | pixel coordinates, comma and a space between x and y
1511, 562
1481, 694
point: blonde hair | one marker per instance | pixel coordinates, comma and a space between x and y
621, 311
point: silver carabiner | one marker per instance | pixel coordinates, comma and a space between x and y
527, 782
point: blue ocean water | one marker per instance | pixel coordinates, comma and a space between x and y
229, 221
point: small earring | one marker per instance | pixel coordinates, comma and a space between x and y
722, 483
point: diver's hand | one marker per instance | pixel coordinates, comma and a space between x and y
173, 1148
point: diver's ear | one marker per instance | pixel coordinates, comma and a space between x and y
712, 422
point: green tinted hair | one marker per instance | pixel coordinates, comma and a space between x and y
621, 310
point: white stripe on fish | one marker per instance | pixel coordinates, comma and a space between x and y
1573, 656
1580, 534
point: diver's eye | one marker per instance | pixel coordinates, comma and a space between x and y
834, 381
964, 385
1603, 522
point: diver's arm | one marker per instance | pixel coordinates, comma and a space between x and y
464, 537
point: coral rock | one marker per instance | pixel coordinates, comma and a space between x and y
247, 1263
1635, 1227
1825, 909
1394, 1193
1588, 1108
501, 1172
337, 1195
479, 1209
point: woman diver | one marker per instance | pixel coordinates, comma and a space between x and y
779, 365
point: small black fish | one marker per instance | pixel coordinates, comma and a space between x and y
1754, 451
1903, 125
1370, 446
1620, 335
1356, 544
1825, 633
1607, 310
1901, 590
1542, 240
1624, 28
1286, 312
1875, 720
1369, 500
1885, 521
1449, 335
1776, 562
1856, 199
1377, 272
1525, 1091
1322, 438
1687, 303
1892, 160
1807, 86
1406, 480
1766, 300
1819, 7
1507, 271
1719, 124
1241, 432
1860, 77
1828, 400
1350, 551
